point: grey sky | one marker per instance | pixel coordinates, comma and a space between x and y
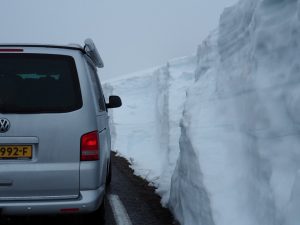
131, 35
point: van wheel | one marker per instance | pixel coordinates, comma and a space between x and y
5, 220
108, 178
97, 217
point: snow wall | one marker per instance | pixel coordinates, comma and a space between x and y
218, 133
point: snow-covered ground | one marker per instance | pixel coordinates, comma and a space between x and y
218, 133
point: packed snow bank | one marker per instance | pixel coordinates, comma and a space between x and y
146, 129
228, 133
241, 121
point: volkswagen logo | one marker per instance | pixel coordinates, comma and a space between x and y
4, 125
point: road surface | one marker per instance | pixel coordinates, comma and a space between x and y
129, 201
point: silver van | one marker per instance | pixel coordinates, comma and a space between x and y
54, 133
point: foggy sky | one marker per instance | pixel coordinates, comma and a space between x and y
131, 35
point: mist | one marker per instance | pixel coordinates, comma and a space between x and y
130, 35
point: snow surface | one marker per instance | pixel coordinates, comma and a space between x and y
146, 128
218, 133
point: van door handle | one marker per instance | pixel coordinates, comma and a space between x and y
6, 182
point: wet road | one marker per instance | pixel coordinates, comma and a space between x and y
129, 201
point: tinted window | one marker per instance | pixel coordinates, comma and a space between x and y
38, 83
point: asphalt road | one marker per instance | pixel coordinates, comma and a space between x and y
129, 201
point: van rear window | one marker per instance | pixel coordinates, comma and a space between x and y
38, 83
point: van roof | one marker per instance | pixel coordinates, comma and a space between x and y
89, 49
70, 46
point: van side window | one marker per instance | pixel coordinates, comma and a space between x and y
97, 87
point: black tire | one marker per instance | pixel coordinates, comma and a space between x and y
109, 174
4, 220
94, 218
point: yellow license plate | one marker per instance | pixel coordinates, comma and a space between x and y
15, 151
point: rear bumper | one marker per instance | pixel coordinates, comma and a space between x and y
88, 201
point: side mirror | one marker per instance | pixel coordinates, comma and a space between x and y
114, 102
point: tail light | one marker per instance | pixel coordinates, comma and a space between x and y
89, 147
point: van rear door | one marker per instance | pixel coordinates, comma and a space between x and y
41, 100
